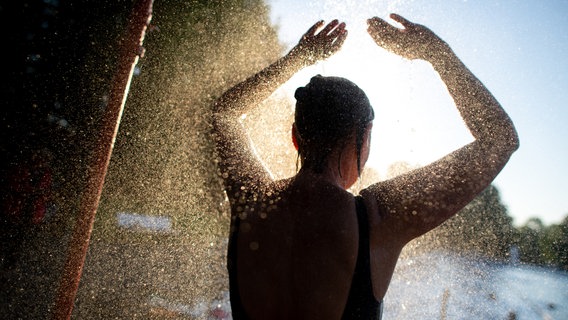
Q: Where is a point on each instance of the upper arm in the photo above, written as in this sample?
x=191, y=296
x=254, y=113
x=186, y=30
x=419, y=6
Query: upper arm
x=414, y=203
x=239, y=165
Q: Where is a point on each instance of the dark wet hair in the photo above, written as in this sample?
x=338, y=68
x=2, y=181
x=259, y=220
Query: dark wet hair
x=327, y=111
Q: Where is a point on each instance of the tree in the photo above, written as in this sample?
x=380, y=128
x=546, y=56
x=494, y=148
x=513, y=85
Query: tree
x=560, y=244
x=528, y=240
x=543, y=245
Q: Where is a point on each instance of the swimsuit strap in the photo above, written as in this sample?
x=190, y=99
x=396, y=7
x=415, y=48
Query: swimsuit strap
x=361, y=302
x=237, y=309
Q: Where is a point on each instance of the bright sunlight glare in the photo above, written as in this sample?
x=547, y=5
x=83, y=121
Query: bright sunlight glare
x=415, y=119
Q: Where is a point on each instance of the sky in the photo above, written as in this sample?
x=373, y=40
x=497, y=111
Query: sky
x=518, y=49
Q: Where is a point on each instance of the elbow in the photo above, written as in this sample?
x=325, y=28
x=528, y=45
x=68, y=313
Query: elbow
x=509, y=140
x=219, y=115
x=503, y=142
x=218, y=122
x=216, y=116
x=515, y=144
x=508, y=144
x=512, y=139
x=217, y=108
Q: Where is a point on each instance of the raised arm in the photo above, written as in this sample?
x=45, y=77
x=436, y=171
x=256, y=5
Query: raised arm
x=420, y=200
x=237, y=161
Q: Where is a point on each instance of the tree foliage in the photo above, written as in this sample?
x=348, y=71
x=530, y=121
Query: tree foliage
x=484, y=228
x=543, y=245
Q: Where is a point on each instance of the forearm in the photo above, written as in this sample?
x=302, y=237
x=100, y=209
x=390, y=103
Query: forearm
x=252, y=91
x=414, y=203
x=481, y=112
x=237, y=160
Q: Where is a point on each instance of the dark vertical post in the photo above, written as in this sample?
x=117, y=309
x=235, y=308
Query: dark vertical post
x=130, y=52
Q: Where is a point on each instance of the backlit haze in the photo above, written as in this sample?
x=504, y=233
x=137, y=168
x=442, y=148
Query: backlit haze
x=519, y=50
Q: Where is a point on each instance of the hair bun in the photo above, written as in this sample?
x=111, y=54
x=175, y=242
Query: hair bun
x=301, y=94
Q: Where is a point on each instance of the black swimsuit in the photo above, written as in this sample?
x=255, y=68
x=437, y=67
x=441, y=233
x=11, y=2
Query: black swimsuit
x=361, y=303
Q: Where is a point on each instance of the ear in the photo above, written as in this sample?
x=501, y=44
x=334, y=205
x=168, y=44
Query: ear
x=294, y=139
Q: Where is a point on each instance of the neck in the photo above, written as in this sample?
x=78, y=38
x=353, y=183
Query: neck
x=339, y=170
x=328, y=175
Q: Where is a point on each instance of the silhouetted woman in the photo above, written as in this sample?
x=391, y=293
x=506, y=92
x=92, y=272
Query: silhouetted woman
x=304, y=247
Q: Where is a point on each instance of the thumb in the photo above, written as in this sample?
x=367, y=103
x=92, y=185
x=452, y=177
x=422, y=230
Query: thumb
x=398, y=18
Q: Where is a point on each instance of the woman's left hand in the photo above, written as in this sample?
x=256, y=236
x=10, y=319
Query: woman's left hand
x=315, y=46
x=414, y=41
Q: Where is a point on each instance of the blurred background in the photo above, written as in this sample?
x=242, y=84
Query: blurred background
x=157, y=249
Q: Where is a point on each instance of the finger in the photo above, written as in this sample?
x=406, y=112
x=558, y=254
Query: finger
x=398, y=18
x=338, y=31
x=378, y=24
x=339, y=41
x=373, y=21
x=312, y=30
x=329, y=27
x=381, y=31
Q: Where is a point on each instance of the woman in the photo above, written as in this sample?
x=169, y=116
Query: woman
x=304, y=247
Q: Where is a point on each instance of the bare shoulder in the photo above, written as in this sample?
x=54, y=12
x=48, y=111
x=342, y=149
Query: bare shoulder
x=386, y=226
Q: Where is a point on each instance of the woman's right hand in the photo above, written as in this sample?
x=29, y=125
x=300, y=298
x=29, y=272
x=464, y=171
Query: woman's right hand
x=315, y=46
x=415, y=41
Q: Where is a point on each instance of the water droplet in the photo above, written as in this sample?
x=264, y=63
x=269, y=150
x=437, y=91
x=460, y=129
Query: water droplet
x=253, y=245
x=245, y=227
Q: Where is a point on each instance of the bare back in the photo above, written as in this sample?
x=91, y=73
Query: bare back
x=297, y=248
